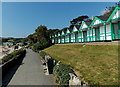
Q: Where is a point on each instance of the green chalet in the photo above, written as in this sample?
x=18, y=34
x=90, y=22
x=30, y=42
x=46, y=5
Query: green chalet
x=100, y=28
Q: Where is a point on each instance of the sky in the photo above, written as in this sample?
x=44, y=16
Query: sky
x=19, y=19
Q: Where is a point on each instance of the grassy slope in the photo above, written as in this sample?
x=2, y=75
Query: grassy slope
x=96, y=63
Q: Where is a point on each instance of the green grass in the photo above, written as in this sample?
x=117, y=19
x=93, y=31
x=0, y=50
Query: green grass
x=92, y=63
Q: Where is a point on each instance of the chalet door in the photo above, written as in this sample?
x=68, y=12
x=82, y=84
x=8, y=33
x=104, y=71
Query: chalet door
x=97, y=34
x=55, y=40
x=66, y=38
x=85, y=36
x=63, y=39
x=119, y=29
x=69, y=38
x=58, y=40
x=115, y=30
x=76, y=37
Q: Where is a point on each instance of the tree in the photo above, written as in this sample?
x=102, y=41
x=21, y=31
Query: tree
x=109, y=10
x=79, y=20
x=117, y=4
x=41, y=32
x=51, y=31
x=32, y=38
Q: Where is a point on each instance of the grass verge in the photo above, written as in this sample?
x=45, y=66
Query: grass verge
x=95, y=64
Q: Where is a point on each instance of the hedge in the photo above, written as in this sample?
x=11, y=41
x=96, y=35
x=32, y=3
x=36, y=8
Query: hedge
x=61, y=73
x=40, y=46
x=15, y=54
x=42, y=54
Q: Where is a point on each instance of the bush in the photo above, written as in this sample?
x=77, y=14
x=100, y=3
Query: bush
x=40, y=46
x=61, y=73
x=37, y=46
x=42, y=54
x=29, y=45
x=6, y=58
x=16, y=54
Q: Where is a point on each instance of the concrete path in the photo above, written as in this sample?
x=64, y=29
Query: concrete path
x=31, y=72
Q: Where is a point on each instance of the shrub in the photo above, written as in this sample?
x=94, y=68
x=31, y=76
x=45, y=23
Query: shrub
x=40, y=46
x=61, y=73
x=36, y=47
x=29, y=45
x=42, y=54
x=15, y=54
x=6, y=58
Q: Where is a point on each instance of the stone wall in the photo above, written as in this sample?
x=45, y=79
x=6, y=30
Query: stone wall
x=74, y=80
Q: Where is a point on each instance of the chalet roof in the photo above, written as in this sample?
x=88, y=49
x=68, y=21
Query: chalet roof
x=64, y=30
x=78, y=26
x=105, y=16
x=70, y=29
x=88, y=22
x=58, y=31
x=102, y=18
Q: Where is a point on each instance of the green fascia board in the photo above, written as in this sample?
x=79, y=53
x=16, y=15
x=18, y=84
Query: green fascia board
x=116, y=18
x=56, y=35
x=98, y=24
x=83, y=29
x=112, y=13
x=62, y=33
x=68, y=30
x=96, y=18
x=72, y=32
x=80, y=30
x=73, y=29
x=53, y=36
x=67, y=33
x=82, y=25
x=59, y=35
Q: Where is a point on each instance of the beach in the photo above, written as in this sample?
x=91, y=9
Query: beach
x=5, y=50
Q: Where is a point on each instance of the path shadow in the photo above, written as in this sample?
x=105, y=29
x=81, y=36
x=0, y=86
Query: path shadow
x=10, y=73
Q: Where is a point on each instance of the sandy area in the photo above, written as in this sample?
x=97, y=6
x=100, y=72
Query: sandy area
x=5, y=51
x=0, y=50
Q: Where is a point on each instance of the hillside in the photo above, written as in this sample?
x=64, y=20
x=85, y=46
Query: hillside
x=93, y=63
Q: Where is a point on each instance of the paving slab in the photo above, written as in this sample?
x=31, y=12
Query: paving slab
x=31, y=72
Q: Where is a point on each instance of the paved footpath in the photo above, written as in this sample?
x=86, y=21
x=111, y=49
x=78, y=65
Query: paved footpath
x=31, y=72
